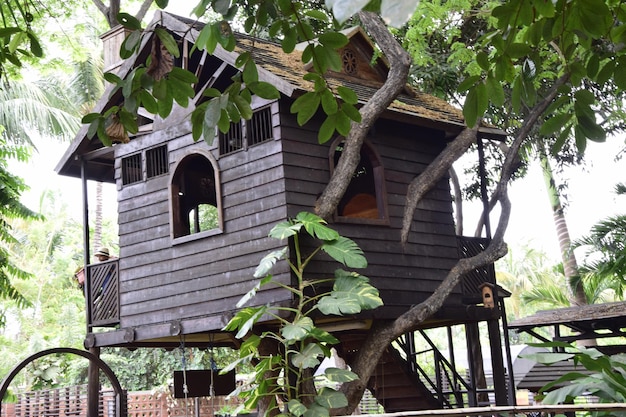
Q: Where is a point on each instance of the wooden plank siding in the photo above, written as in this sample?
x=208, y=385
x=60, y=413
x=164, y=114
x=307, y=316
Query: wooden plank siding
x=163, y=281
x=404, y=275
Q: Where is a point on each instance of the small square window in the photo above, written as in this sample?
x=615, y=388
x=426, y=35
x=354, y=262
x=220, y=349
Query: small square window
x=131, y=169
x=156, y=161
x=259, y=127
x=232, y=140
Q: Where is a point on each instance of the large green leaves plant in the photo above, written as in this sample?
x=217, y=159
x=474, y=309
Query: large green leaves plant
x=302, y=345
x=596, y=374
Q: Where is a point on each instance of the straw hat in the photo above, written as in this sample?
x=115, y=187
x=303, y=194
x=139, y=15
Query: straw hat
x=102, y=252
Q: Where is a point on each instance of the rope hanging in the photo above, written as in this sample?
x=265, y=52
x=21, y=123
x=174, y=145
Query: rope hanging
x=213, y=370
x=184, y=369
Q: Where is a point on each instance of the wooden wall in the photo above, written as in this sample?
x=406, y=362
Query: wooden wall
x=404, y=275
x=162, y=280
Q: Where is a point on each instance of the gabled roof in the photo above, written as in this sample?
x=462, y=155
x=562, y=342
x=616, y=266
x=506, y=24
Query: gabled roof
x=285, y=72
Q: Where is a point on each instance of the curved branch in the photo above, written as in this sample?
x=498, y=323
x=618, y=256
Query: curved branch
x=382, y=335
x=145, y=6
x=458, y=200
x=400, y=62
x=432, y=174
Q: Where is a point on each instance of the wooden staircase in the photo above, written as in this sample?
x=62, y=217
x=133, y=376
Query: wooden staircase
x=393, y=385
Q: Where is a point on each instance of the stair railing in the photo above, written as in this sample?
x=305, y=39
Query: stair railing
x=458, y=386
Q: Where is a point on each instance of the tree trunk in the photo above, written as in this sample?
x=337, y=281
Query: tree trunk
x=399, y=64
x=570, y=266
x=382, y=334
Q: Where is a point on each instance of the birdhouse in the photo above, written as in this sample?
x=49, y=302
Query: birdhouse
x=488, y=296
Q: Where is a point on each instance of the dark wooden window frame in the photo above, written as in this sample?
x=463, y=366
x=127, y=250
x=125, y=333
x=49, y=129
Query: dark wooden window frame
x=380, y=189
x=145, y=168
x=175, y=209
x=132, y=169
x=157, y=161
x=240, y=136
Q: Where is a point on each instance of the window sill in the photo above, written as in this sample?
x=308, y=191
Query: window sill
x=196, y=236
x=361, y=220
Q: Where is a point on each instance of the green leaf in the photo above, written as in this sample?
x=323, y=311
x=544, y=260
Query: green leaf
x=268, y=262
x=495, y=91
x=298, y=330
x=250, y=294
x=128, y=21
x=352, y=112
x=396, y=13
x=250, y=73
x=348, y=95
x=343, y=123
x=517, y=50
x=317, y=15
x=35, y=46
x=183, y=75
x=243, y=106
x=162, y=4
x=548, y=358
x=130, y=43
x=90, y=117
x=264, y=90
x=468, y=83
x=244, y=320
x=296, y=408
x=340, y=375
x=329, y=102
x=323, y=336
x=330, y=398
x=168, y=41
x=334, y=40
x=555, y=124
x=316, y=226
x=284, y=230
x=148, y=102
x=351, y=294
x=327, y=129
x=212, y=115
x=305, y=106
x=483, y=60
x=307, y=357
x=346, y=251
x=316, y=410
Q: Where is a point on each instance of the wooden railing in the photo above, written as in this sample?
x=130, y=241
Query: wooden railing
x=61, y=402
x=72, y=402
x=103, y=293
x=468, y=247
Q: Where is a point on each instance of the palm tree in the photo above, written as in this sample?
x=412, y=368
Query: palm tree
x=605, y=258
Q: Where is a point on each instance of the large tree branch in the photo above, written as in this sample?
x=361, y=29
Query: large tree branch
x=101, y=6
x=145, y=6
x=400, y=62
x=380, y=336
x=432, y=174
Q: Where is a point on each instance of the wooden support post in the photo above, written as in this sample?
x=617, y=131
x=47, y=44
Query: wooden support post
x=93, y=385
x=497, y=364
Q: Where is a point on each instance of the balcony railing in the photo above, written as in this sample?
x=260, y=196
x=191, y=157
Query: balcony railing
x=103, y=294
x=468, y=247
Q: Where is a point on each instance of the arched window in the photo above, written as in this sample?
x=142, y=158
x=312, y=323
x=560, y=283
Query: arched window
x=365, y=199
x=195, y=197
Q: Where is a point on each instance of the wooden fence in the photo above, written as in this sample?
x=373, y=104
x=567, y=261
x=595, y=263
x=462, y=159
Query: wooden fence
x=72, y=402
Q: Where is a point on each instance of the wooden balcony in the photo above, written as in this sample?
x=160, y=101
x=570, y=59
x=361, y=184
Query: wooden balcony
x=103, y=294
x=472, y=281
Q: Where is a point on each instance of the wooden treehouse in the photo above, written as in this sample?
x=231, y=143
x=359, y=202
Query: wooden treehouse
x=194, y=218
